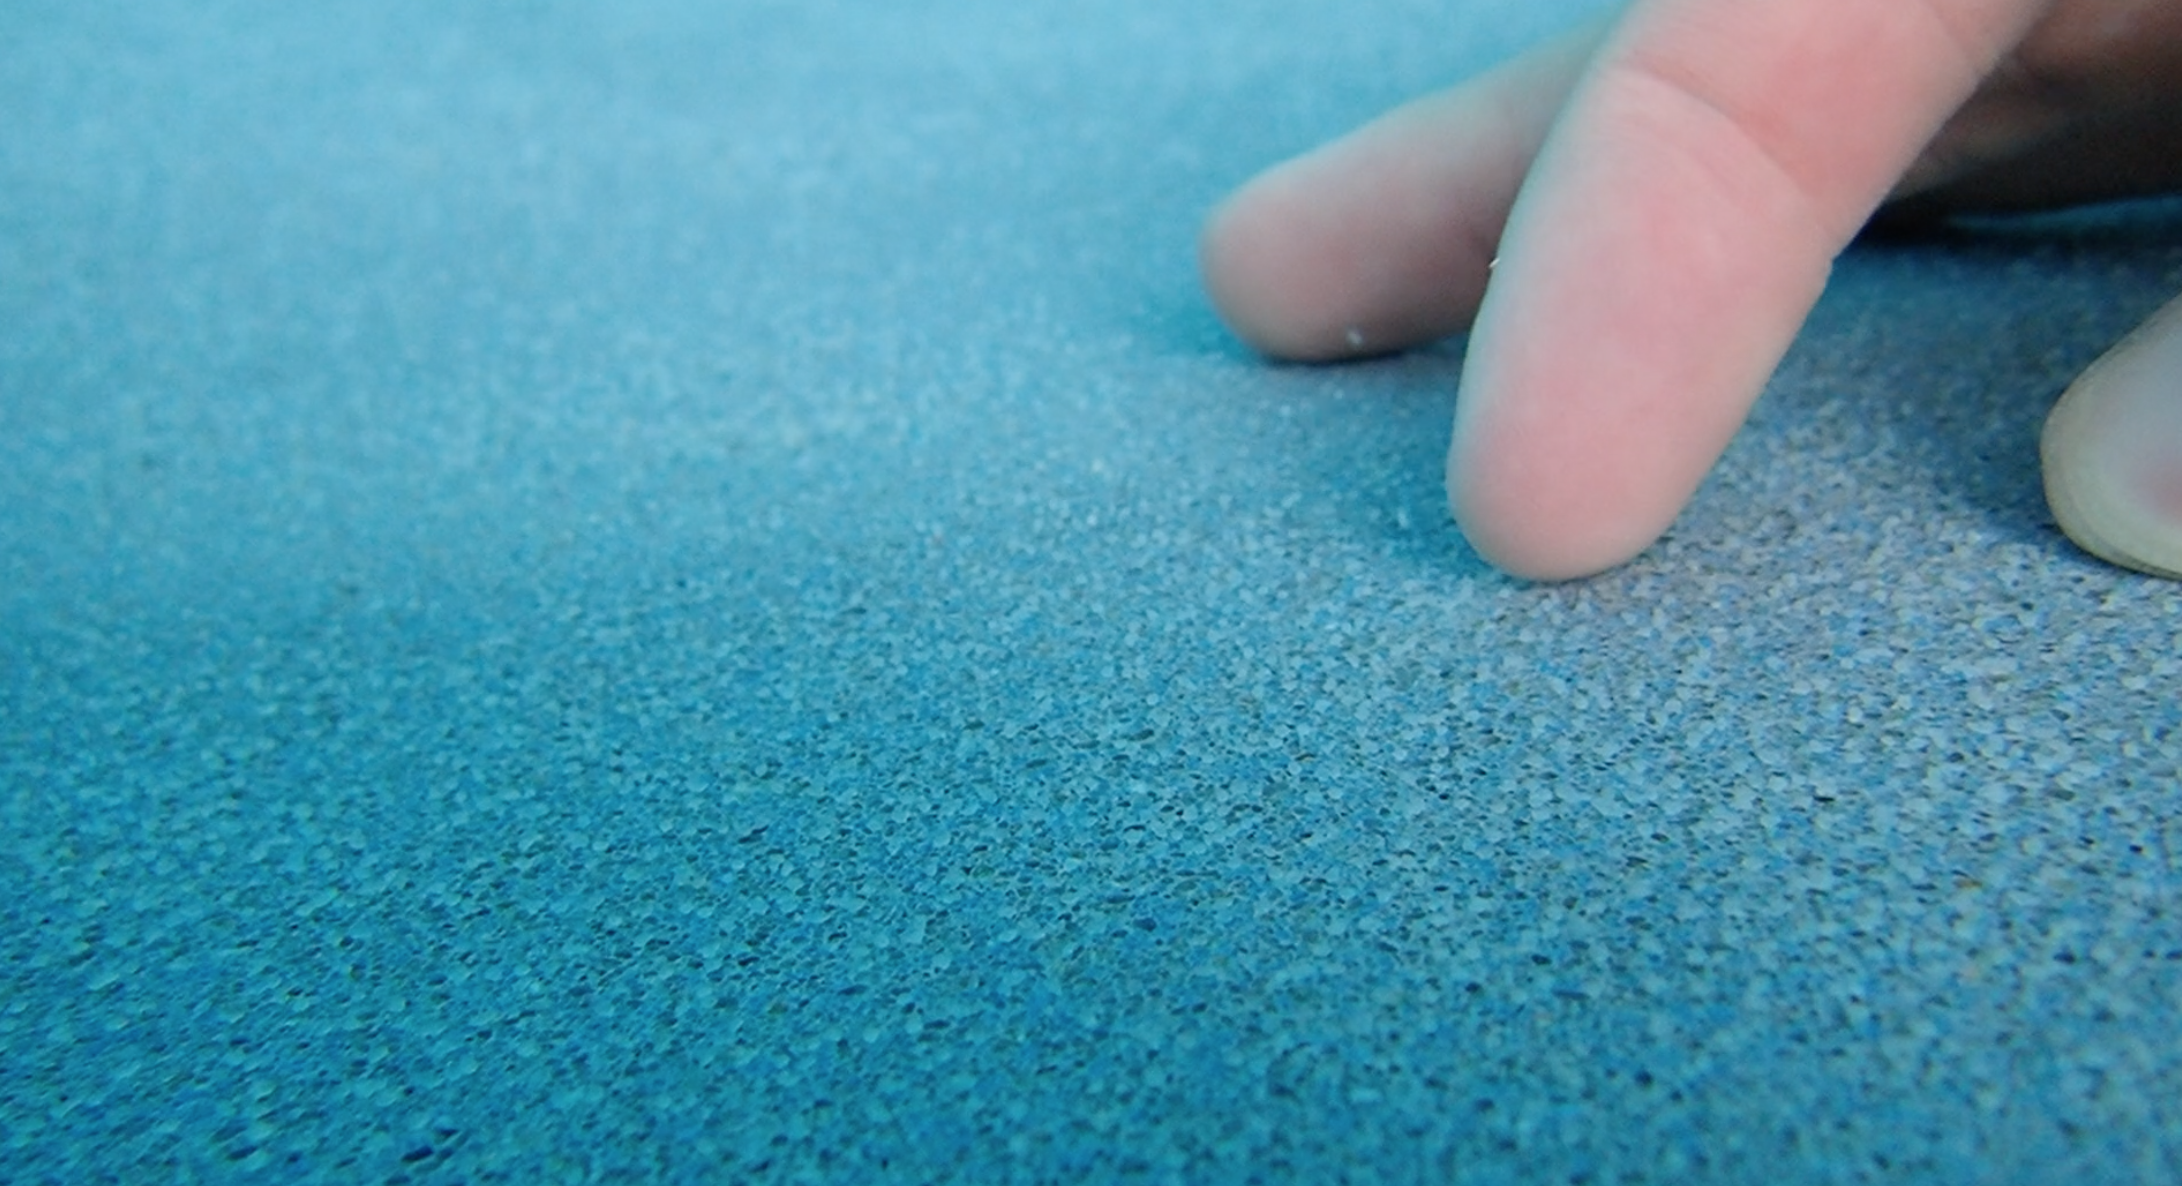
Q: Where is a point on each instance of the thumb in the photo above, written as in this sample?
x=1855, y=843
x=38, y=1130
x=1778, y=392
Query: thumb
x=2113, y=451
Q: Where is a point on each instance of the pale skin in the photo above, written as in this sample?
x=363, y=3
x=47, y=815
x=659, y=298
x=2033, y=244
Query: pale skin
x=1634, y=220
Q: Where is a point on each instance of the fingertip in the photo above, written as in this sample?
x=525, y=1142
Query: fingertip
x=1383, y=239
x=2112, y=452
x=1266, y=274
x=1551, y=530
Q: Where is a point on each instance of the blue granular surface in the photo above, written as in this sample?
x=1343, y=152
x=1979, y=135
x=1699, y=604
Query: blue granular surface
x=673, y=591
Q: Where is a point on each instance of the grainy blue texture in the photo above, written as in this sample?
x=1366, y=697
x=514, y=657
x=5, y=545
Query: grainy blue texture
x=606, y=591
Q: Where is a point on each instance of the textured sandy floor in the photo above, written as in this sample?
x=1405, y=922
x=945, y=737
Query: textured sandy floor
x=601, y=591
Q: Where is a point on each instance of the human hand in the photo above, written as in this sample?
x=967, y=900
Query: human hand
x=1639, y=215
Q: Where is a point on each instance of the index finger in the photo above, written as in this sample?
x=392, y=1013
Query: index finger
x=1678, y=227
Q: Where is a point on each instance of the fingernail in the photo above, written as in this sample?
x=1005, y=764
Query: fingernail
x=2112, y=451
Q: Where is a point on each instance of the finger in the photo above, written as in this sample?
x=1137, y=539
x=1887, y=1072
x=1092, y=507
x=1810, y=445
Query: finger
x=2119, y=154
x=1678, y=227
x=2113, y=451
x=2085, y=109
x=1382, y=239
